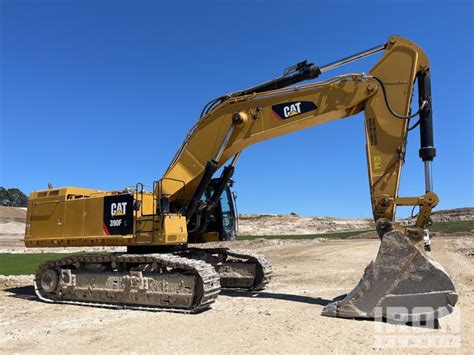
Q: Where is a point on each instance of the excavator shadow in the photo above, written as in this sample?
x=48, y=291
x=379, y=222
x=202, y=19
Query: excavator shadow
x=23, y=292
x=28, y=293
x=280, y=296
x=321, y=302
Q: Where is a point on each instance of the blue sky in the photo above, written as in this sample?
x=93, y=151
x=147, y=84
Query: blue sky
x=101, y=94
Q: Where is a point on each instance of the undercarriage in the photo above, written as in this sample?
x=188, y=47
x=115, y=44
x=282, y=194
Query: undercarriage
x=187, y=281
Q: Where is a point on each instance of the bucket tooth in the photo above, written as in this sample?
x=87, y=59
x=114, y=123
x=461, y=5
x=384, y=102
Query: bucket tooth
x=403, y=284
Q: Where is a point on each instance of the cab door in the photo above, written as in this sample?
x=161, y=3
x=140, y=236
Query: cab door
x=228, y=216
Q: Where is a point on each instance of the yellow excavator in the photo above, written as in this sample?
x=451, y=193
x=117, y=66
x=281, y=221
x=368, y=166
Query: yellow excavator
x=165, y=267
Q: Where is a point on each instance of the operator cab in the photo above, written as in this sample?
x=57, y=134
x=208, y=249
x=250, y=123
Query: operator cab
x=218, y=223
x=224, y=216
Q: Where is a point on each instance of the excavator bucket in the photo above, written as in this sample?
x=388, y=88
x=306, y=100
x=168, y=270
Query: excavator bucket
x=402, y=284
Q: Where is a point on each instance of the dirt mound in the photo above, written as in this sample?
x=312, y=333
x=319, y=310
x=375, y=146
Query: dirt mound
x=12, y=225
x=12, y=214
x=293, y=224
x=452, y=215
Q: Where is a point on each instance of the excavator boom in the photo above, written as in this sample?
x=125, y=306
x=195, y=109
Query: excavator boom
x=252, y=115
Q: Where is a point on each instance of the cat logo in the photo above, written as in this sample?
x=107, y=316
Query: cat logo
x=118, y=209
x=291, y=110
x=118, y=215
x=288, y=110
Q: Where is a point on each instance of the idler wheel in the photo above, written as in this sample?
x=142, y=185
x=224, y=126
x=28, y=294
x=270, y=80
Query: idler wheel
x=49, y=280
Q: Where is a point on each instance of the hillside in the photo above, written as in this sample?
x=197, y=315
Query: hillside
x=12, y=214
x=12, y=221
x=274, y=224
x=268, y=224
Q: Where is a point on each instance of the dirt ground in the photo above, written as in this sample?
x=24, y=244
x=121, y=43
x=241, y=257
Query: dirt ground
x=285, y=318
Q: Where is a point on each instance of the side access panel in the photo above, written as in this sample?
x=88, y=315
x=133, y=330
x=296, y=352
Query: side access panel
x=76, y=217
x=72, y=216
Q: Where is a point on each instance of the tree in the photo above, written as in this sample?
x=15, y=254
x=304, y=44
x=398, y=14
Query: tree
x=12, y=197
